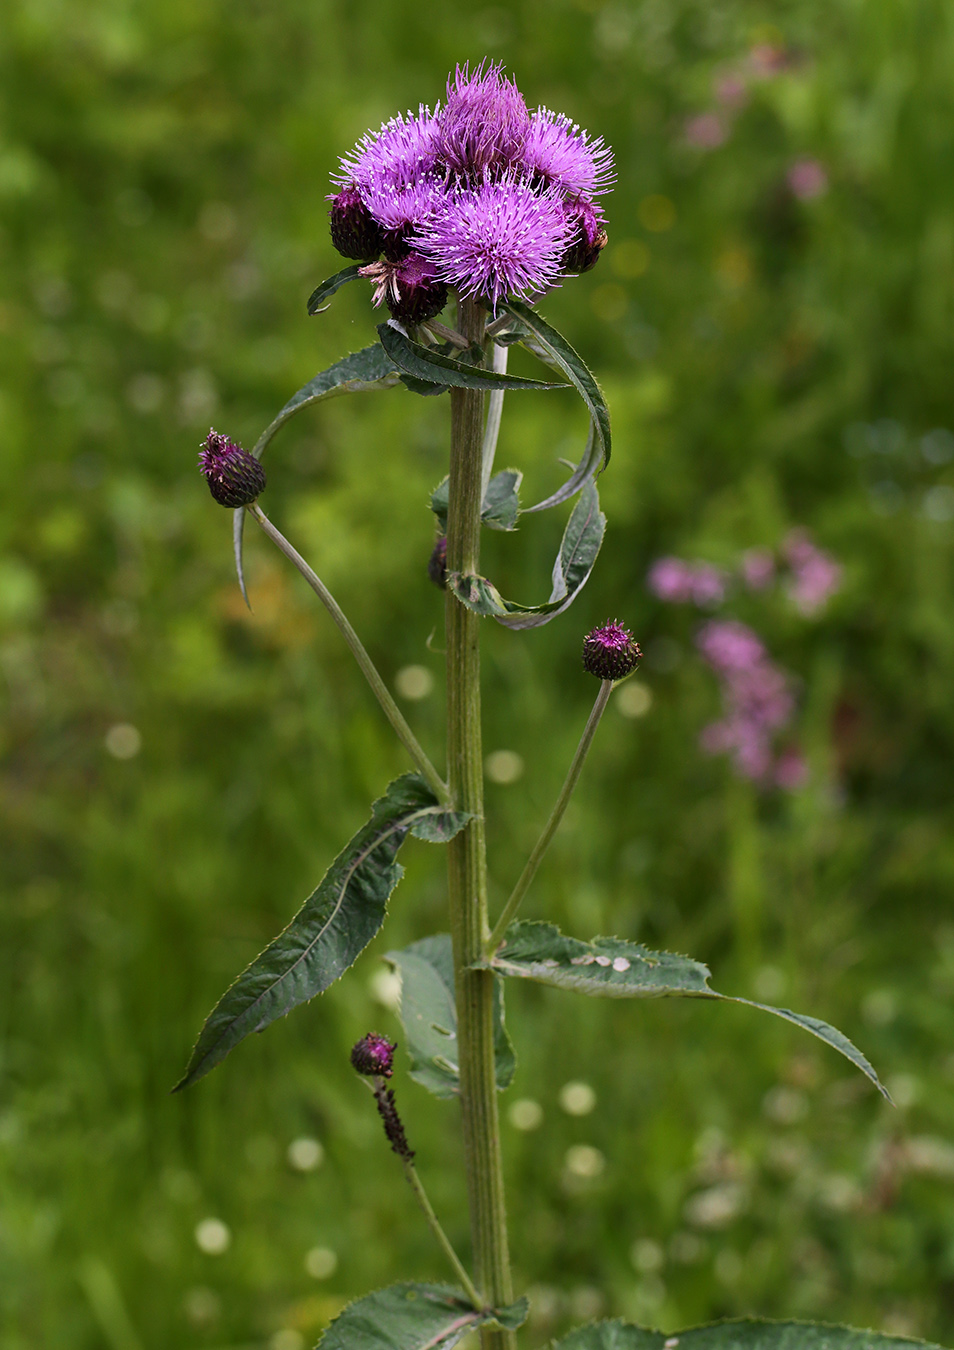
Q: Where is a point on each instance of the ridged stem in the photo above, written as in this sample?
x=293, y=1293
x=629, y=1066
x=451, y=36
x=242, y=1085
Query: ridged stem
x=467, y=867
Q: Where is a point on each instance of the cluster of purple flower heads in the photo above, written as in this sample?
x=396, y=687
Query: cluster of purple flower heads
x=758, y=703
x=480, y=194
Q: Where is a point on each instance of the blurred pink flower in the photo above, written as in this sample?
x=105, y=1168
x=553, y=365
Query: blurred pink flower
x=731, y=91
x=815, y=577
x=758, y=568
x=729, y=646
x=706, y=131
x=756, y=695
x=671, y=579
x=791, y=770
x=708, y=585
x=768, y=59
x=807, y=179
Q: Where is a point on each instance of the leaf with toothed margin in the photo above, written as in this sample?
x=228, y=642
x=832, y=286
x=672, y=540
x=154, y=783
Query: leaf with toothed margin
x=414, y=1317
x=368, y=369
x=331, y=929
x=574, y=563
x=742, y=1334
x=327, y=288
x=573, y=366
x=427, y=363
x=429, y=1017
x=501, y=503
x=613, y=968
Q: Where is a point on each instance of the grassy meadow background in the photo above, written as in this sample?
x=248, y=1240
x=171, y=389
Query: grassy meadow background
x=177, y=773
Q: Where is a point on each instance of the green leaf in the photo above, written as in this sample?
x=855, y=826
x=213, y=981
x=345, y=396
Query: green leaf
x=613, y=968
x=325, y=937
x=587, y=467
x=572, y=365
x=327, y=288
x=426, y=388
x=429, y=1017
x=427, y=363
x=413, y=1317
x=501, y=503
x=574, y=563
x=437, y=825
x=745, y=1334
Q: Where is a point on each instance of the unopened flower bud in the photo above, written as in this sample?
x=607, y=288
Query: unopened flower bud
x=610, y=652
x=589, y=239
x=354, y=231
x=437, y=565
x=373, y=1056
x=235, y=477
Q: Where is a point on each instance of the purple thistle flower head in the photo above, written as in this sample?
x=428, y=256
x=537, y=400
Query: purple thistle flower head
x=410, y=287
x=589, y=237
x=559, y=152
x=485, y=122
x=401, y=153
x=354, y=231
x=235, y=477
x=498, y=238
x=373, y=1056
x=610, y=651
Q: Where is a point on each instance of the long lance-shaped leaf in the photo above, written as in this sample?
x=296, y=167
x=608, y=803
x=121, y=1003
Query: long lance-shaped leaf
x=611, y=968
x=429, y=1017
x=426, y=363
x=589, y=464
x=573, y=366
x=328, y=287
x=331, y=929
x=574, y=563
x=368, y=369
x=414, y=1317
x=744, y=1334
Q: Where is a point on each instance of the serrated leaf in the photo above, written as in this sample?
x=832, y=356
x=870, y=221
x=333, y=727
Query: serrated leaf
x=427, y=363
x=573, y=366
x=426, y=388
x=574, y=563
x=614, y=968
x=429, y=1017
x=438, y=825
x=501, y=503
x=744, y=1334
x=413, y=1317
x=328, y=933
x=327, y=288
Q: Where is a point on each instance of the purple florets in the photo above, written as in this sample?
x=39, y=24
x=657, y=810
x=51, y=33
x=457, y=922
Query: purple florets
x=235, y=477
x=373, y=1056
x=610, y=652
x=491, y=199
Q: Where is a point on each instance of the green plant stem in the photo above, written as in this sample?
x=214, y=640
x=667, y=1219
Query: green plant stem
x=467, y=865
x=434, y=1223
x=553, y=824
x=370, y=671
x=495, y=400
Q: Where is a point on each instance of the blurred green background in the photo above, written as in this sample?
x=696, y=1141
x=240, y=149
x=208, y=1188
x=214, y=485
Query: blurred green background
x=177, y=773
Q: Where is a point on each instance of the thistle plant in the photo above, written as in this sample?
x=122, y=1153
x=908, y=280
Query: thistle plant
x=485, y=206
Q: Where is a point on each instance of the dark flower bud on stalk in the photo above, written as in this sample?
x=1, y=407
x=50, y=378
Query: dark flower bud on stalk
x=610, y=652
x=437, y=566
x=235, y=477
x=373, y=1055
x=354, y=231
x=589, y=239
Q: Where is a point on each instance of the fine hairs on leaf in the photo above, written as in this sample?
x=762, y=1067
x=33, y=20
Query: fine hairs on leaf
x=414, y=1317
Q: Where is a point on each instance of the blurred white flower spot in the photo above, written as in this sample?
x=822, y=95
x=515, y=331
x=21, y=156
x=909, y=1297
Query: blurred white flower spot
x=321, y=1263
x=123, y=741
x=504, y=766
x=213, y=1237
x=304, y=1155
x=287, y=1338
x=584, y=1161
x=633, y=699
x=646, y=1255
x=384, y=987
x=525, y=1114
x=414, y=682
x=577, y=1099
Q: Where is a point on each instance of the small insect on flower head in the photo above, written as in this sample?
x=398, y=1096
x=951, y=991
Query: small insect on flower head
x=235, y=477
x=610, y=651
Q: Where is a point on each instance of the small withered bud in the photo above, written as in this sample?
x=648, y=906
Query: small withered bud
x=373, y=1056
x=415, y=295
x=354, y=231
x=393, y=1127
x=235, y=477
x=589, y=239
x=437, y=564
x=610, y=651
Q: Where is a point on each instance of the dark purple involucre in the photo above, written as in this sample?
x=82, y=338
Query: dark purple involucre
x=610, y=651
x=373, y=1056
x=235, y=477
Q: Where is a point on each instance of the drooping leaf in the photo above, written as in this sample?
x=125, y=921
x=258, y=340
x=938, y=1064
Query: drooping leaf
x=325, y=937
x=613, y=968
x=573, y=366
x=429, y=1017
x=589, y=464
x=327, y=288
x=428, y=363
x=426, y=388
x=574, y=563
x=413, y=1317
x=501, y=503
x=744, y=1334
x=437, y=825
